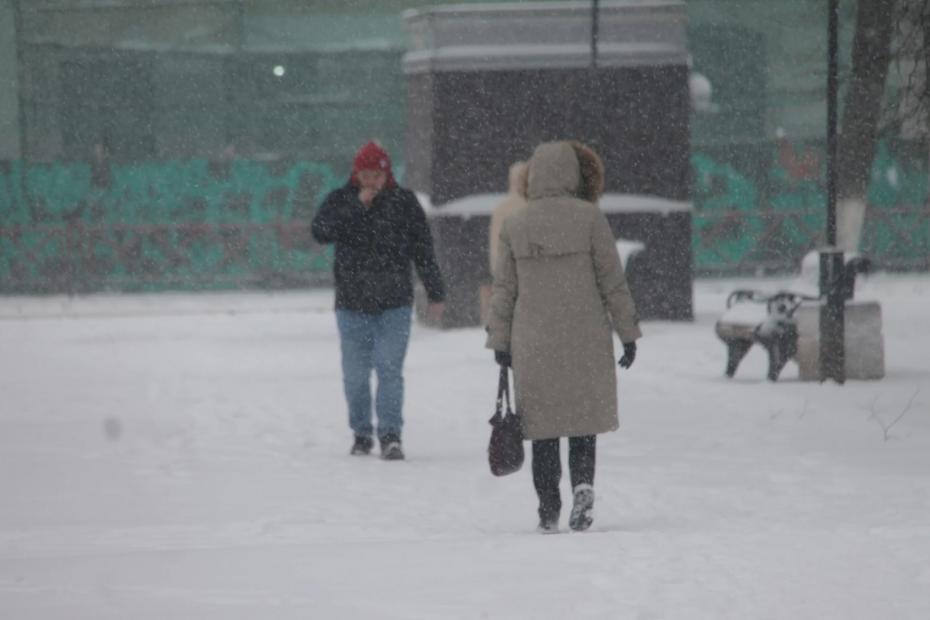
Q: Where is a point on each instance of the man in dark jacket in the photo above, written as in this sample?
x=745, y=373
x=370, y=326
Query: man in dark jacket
x=379, y=229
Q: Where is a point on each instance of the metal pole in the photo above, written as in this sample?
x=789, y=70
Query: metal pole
x=240, y=26
x=832, y=95
x=595, y=15
x=19, y=33
x=832, y=264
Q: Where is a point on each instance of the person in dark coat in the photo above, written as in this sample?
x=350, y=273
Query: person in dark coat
x=379, y=230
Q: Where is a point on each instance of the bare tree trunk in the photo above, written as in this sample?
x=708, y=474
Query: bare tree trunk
x=924, y=19
x=871, y=57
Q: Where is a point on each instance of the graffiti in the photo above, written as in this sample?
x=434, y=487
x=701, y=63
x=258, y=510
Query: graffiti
x=199, y=224
x=893, y=231
x=769, y=222
x=726, y=212
x=170, y=224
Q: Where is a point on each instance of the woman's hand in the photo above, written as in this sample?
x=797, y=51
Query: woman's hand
x=629, y=354
x=503, y=358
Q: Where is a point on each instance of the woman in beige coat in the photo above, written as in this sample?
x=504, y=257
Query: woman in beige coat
x=516, y=198
x=559, y=293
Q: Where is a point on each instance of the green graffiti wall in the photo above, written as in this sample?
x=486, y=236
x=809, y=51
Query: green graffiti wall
x=190, y=224
x=70, y=227
x=763, y=208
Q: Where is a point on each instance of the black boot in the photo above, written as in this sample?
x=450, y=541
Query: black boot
x=547, y=471
x=391, y=449
x=548, y=519
x=362, y=446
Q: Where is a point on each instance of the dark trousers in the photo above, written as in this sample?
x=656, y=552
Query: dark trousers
x=547, y=469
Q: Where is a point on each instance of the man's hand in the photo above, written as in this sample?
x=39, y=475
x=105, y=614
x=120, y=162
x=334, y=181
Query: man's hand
x=367, y=195
x=434, y=312
x=629, y=354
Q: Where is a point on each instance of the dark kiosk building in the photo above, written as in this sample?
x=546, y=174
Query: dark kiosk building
x=487, y=83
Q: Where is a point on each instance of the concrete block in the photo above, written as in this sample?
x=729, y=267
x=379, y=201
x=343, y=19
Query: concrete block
x=865, y=344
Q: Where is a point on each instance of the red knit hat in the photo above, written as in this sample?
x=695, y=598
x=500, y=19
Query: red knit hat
x=372, y=157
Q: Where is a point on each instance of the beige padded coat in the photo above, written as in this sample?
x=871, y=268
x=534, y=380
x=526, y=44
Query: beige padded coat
x=559, y=293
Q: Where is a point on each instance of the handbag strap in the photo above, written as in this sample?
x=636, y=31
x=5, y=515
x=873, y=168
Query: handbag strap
x=503, y=391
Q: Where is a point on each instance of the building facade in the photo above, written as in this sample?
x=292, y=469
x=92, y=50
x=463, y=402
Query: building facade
x=175, y=79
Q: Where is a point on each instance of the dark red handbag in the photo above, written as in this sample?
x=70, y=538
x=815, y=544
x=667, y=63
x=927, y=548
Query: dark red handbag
x=505, y=450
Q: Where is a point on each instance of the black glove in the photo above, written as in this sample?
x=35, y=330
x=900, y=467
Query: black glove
x=503, y=358
x=629, y=354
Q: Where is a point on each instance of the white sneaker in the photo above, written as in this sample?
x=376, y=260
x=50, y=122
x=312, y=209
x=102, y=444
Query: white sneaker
x=581, y=517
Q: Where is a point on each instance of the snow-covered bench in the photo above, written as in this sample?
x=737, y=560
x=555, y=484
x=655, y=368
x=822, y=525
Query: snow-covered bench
x=753, y=316
x=771, y=319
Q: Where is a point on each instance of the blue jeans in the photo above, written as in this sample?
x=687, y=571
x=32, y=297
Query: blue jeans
x=374, y=342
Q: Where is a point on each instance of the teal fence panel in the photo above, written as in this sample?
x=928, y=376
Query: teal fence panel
x=760, y=208
x=206, y=225
x=167, y=225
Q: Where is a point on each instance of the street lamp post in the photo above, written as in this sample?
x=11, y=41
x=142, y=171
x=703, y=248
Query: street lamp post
x=832, y=264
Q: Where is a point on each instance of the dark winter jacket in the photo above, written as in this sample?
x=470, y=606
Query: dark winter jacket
x=374, y=249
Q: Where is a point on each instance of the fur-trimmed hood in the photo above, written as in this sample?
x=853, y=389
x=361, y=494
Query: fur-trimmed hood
x=567, y=168
x=553, y=171
x=591, y=170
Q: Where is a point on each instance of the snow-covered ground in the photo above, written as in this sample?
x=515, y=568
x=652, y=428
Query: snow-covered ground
x=174, y=457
